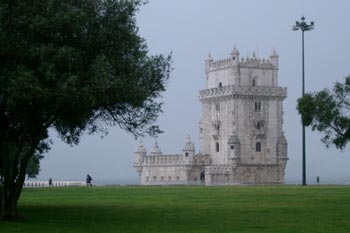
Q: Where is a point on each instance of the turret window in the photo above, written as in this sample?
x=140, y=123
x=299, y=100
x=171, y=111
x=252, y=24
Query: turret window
x=259, y=124
x=217, y=147
x=257, y=106
x=258, y=147
x=217, y=107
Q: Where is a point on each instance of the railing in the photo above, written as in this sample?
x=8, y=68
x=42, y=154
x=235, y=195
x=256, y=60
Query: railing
x=37, y=184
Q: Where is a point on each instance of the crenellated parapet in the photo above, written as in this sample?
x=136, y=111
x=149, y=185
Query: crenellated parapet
x=244, y=92
x=248, y=62
x=221, y=64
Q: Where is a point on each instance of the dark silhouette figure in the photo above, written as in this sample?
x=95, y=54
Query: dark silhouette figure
x=318, y=179
x=50, y=182
x=88, y=180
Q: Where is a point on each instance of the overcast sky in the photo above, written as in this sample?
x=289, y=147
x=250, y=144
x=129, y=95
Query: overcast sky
x=190, y=29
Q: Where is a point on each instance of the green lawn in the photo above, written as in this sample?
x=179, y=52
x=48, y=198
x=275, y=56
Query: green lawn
x=293, y=209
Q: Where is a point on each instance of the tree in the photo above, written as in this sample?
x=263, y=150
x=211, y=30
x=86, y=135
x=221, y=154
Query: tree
x=329, y=112
x=33, y=167
x=73, y=66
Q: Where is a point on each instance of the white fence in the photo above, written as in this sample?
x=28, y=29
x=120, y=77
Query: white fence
x=36, y=184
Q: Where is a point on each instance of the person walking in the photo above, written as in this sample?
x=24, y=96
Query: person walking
x=88, y=180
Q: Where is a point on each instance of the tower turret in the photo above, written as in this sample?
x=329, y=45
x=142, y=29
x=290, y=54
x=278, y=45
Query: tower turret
x=139, y=154
x=282, y=157
x=235, y=55
x=274, y=58
x=282, y=146
x=208, y=61
x=156, y=151
x=188, y=151
x=234, y=149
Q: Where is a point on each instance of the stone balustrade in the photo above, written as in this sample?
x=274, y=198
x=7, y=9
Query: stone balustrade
x=240, y=90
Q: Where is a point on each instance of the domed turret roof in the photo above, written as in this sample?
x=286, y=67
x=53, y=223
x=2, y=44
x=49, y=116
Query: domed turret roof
x=156, y=150
x=235, y=51
x=189, y=146
x=274, y=54
x=140, y=148
x=209, y=58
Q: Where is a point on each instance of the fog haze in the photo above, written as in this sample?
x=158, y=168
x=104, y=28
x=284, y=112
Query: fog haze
x=190, y=29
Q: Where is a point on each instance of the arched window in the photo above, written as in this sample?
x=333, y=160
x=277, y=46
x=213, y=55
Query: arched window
x=258, y=126
x=253, y=83
x=186, y=154
x=220, y=84
x=232, y=147
x=258, y=147
x=217, y=147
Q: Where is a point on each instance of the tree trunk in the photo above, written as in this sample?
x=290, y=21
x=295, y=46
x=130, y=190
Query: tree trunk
x=10, y=193
x=11, y=182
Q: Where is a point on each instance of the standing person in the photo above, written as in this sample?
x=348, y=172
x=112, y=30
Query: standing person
x=88, y=180
x=50, y=182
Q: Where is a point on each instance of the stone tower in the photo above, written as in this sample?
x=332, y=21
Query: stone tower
x=241, y=135
x=241, y=125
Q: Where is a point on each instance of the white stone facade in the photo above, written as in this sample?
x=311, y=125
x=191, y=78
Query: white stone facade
x=241, y=135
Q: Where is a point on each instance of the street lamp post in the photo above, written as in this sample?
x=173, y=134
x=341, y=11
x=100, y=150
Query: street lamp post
x=303, y=26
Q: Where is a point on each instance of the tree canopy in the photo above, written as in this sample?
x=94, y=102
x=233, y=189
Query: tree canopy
x=74, y=66
x=328, y=111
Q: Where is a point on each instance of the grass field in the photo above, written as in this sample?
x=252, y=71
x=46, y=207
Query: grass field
x=293, y=209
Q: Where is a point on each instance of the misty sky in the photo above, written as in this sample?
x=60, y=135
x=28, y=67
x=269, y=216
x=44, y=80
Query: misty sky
x=190, y=29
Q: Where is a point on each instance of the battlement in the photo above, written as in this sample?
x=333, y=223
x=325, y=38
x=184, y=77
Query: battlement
x=220, y=64
x=256, y=62
x=243, y=91
x=263, y=63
